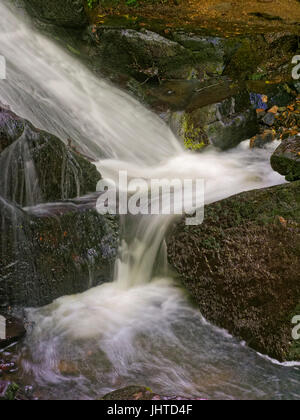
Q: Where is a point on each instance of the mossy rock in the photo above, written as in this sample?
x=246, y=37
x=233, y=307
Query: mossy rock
x=286, y=159
x=242, y=266
x=69, y=13
x=50, y=254
x=220, y=115
x=8, y=391
x=246, y=59
x=142, y=54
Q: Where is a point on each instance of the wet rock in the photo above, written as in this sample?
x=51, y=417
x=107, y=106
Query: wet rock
x=36, y=166
x=297, y=86
x=17, y=269
x=11, y=127
x=245, y=61
x=218, y=114
x=286, y=158
x=261, y=140
x=46, y=256
x=231, y=131
x=266, y=95
x=133, y=392
x=68, y=13
x=242, y=266
x=269, y=119
x=211, y=53
x=263, y=57
x=8, y=391
x=139, y=393
x=142, y=54
x=261, y=113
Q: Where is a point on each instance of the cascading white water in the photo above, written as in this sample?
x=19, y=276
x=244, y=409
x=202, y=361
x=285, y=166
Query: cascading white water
x=141, y=328
x=56, y=93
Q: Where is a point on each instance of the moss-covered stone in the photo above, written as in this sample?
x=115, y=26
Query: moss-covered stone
x=68, y=13
x=246, y=59
x=11, y=127
x=194, y=138
x=54, y=252
x=8, y=391
x=142, y=54
x=242, y=266
x=286, y=159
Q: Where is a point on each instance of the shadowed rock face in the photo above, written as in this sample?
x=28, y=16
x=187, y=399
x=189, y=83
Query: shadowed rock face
x=36, y=166
x=286, y=159
x=242, y=266
x=43, y=258
x=60, y=12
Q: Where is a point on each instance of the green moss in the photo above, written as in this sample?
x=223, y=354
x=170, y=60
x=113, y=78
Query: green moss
x=194, y=137
x=247, y=58
x=11, y=392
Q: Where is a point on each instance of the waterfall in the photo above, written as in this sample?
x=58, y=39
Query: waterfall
x=57, y=93
x=141, y=328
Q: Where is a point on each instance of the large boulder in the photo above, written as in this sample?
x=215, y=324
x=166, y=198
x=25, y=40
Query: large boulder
x=51, y=251
x=36, y=166
x=68, y=13
x=142, y=54
x=242, y=266
x=286, y=159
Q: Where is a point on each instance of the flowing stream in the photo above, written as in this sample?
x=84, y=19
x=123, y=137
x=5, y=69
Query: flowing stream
x=142, y=328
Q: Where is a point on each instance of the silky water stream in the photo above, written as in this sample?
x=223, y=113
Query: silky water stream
x=142, y=328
